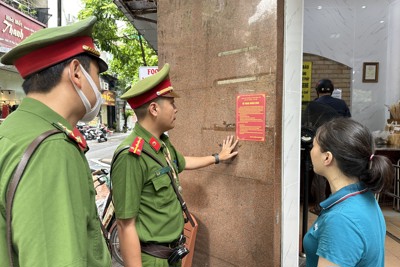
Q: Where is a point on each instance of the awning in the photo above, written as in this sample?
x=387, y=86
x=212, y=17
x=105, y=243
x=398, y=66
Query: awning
x=143, y=16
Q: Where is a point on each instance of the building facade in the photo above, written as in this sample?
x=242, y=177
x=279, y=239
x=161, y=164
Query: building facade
x=19, y=19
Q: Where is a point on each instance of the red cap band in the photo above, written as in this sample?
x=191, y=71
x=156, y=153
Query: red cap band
x=157, y=91
x=53, y=54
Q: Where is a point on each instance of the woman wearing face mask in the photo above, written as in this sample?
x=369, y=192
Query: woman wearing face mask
x=54, y=217
x=350, y=230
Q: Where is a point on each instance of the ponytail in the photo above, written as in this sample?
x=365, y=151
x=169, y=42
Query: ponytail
x=380, y=173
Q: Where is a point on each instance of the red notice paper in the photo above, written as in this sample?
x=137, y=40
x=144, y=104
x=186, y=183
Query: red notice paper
x=250, y=117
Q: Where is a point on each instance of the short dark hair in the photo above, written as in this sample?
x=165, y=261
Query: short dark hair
x=141, y=111
x=44, y=80
x=352, y=146
x=324, y=86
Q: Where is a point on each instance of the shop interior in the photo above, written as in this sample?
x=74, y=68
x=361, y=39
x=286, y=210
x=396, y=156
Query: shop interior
x=8, y=102
x=11, y=92
x=342, y=40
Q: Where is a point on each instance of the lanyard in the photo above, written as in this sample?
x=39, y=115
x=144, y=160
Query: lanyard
x=168, y=158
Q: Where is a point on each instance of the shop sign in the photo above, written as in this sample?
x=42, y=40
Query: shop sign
x=15, y=26
x=147, y=71
x=306, y=84
x=109, y=98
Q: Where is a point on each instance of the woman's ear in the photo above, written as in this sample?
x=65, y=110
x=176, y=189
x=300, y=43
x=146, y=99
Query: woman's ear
x=328, y=158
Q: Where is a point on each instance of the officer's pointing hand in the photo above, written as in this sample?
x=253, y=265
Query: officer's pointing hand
x=227, y=146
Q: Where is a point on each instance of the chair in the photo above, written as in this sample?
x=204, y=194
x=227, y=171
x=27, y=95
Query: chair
x=395, y=191
x=396, y=187
x=190, y=233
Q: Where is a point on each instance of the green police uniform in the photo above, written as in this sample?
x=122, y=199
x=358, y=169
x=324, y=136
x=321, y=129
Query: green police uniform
x=55, y=220
x=142, y=188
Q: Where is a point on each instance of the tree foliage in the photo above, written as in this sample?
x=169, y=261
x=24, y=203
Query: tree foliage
x=114, y=34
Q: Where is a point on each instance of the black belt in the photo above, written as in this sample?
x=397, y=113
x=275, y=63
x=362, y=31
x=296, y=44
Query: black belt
x=160, y=250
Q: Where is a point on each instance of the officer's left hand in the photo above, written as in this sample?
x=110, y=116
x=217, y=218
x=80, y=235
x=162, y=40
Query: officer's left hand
x=227, y=149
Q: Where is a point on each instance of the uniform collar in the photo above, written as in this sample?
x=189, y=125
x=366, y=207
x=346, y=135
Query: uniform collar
x=36, y=107
x=154, y=142
x=343, y=194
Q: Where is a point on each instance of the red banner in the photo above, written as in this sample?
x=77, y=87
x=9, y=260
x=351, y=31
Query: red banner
x=250, y=117
x=15, y=26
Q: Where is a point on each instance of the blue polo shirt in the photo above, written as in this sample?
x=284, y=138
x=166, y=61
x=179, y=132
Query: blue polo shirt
x=350, y=231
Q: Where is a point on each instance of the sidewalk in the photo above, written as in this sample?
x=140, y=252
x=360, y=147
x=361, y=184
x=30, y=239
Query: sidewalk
x=114, y=135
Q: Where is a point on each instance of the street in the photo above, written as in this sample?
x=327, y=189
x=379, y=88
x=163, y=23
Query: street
x=99, y=152
x=103, y=151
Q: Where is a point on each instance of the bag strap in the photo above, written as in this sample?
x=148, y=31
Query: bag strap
x=13, y=184
x=180, y=198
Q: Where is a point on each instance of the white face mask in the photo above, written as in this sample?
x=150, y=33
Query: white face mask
x=91, y=113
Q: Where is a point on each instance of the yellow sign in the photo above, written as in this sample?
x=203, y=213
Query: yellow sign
x=306, y=83
x=109, y=98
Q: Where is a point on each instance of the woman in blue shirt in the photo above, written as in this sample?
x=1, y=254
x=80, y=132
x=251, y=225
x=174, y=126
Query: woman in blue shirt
x=350, y=231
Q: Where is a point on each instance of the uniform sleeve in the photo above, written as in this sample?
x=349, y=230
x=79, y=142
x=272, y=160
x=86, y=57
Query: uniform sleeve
x=127, y=180
x=340, y=241
x=54, y=215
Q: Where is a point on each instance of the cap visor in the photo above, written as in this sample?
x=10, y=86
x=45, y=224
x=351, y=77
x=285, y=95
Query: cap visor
x=102, y=65
x=171, y=94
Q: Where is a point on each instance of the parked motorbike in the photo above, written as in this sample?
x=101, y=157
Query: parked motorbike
x=105, y=208
x=99, y=133
x=102, y=133
x=104, y=129
x=101, y=136
x=90, y=133
x=82, y=129
x=87, y=131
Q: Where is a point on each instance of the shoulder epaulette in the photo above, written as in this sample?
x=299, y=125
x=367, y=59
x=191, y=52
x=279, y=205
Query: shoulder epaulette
x=137, y=145
x=75, y=135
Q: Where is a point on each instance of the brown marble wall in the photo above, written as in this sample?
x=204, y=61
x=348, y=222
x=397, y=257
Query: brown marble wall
x=219, y=49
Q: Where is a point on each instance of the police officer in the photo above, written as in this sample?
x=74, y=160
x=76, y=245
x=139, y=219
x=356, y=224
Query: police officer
x=54, y=217
x=149, y=215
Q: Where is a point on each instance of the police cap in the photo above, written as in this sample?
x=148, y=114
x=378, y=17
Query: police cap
x=150, y=88
x=50, y=46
